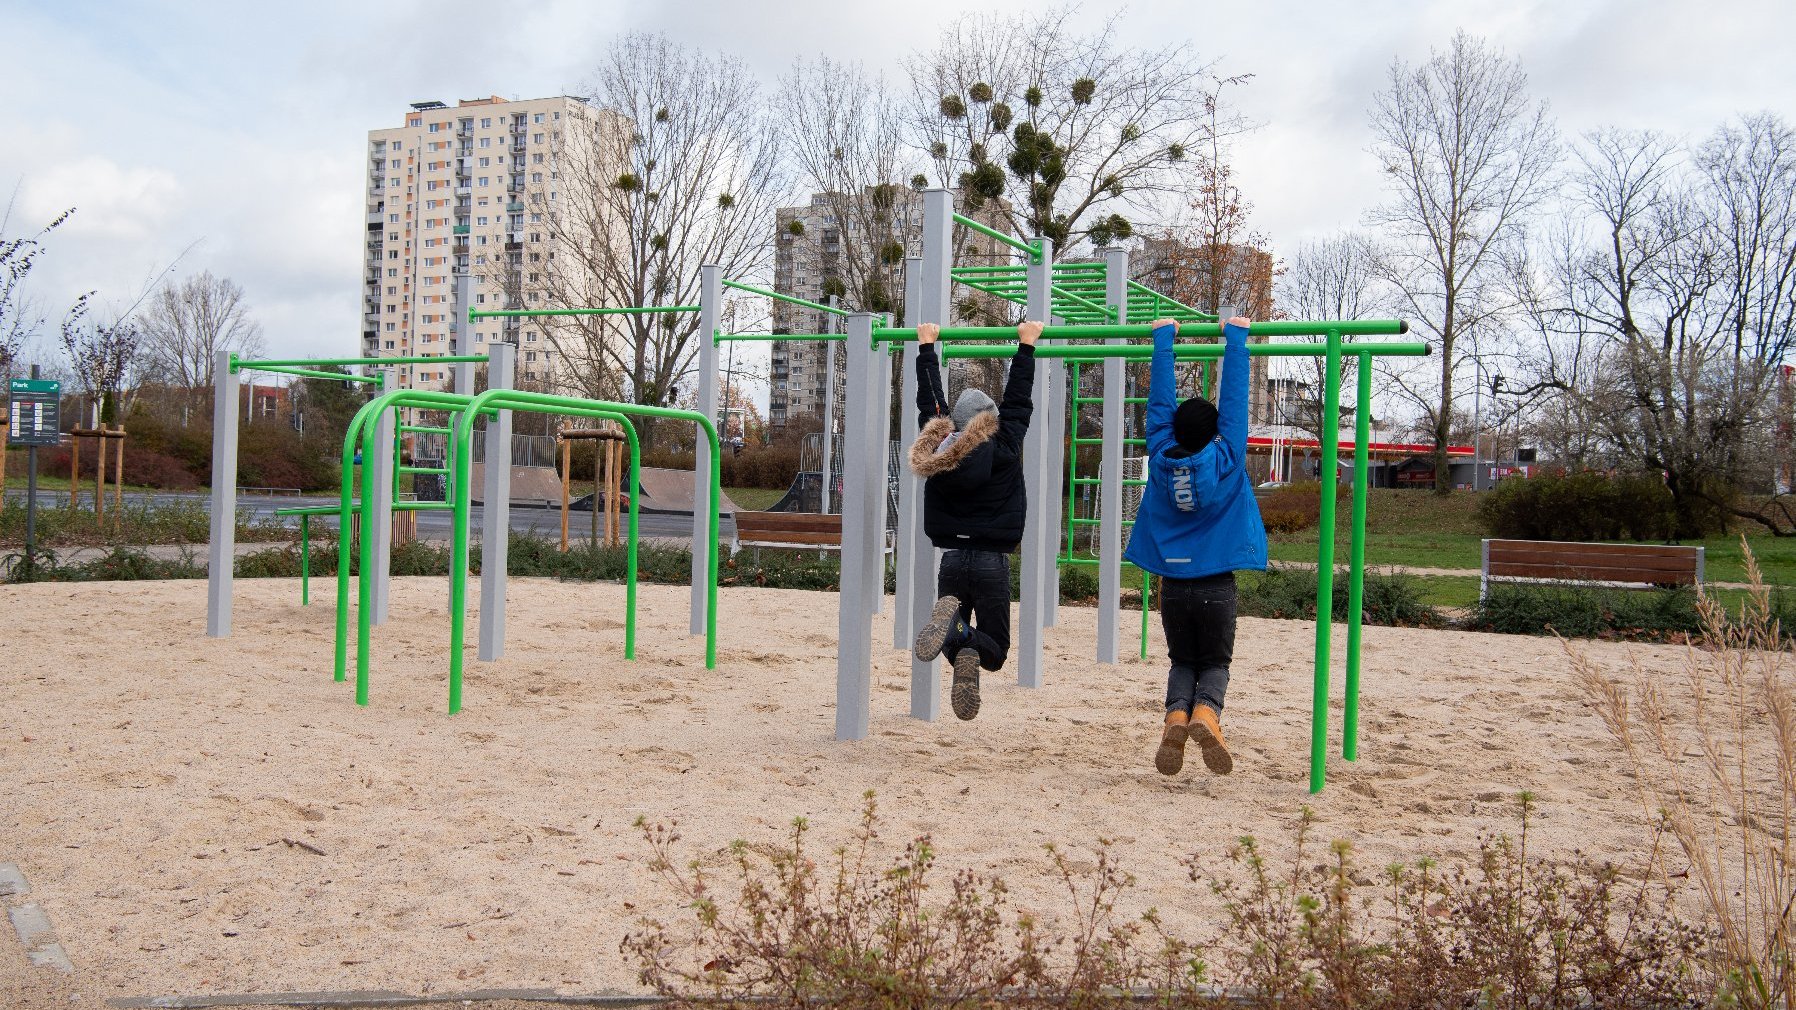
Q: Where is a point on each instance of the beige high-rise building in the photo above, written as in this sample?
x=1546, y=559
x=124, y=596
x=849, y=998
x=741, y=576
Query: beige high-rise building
x=467, y=190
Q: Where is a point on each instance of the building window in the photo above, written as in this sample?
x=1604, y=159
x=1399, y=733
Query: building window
x=433, y=127
x=536, y=138
x=486, y=141
x=538, y=118
x=537, y=158
x=486, y=123
x=484, y=162
x=389, y=330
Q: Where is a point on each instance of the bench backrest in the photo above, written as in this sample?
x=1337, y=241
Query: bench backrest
x=1633, y=564
x=797, y=528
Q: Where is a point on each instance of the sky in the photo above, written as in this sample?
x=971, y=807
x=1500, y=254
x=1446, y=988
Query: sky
x=232, y=136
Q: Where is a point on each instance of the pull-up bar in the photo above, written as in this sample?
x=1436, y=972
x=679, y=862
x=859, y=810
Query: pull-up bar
x=1031, y=248
x=403, y=359
x=1271, y=328
x=633, y=310
x=308, y=373
x=725, y=337
x=789, y=299
x=1184, y=352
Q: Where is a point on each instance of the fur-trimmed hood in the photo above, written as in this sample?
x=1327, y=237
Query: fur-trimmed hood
x=929, y=459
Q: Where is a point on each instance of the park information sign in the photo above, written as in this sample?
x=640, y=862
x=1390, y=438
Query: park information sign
x=32, y=414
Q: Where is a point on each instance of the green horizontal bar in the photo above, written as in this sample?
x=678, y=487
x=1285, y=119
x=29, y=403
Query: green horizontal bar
x=1269, y=328
x=398, y=506
x=308, y=373
x=631, y=310
x=428, y=429
x=776, y=296
x=1033, y=250
x=423, y=469
x=1186, y=352
x=265, y=365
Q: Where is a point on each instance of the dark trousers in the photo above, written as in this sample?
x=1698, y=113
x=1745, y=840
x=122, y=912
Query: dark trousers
x=980, y=580
x=1198, y=616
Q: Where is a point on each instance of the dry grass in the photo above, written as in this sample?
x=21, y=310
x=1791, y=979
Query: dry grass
x=1713, y=752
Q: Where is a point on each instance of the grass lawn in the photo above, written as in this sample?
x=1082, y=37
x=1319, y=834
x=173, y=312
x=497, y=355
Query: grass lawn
x=16, y=479
x=754, y=499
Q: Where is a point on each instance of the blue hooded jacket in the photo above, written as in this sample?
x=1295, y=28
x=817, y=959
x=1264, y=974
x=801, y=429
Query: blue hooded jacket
x=1198, y=516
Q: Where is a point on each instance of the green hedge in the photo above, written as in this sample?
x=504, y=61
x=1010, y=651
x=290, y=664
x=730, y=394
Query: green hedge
x=1593, y=506
x=1290, y=593
x=1595, y=612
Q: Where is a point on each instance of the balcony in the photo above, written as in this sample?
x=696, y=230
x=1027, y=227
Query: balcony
x=514, y=207
x=460, y=229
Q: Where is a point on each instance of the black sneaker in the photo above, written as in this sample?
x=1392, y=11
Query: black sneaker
x=933, y=636
x=963, y=695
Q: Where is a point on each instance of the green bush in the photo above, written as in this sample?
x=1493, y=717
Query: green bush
x=1596, y=612
x=1290, y=593
x=1593, y=506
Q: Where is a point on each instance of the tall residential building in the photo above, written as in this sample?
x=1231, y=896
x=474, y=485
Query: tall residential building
x=466, y=190
x=1183, y=271
x=809, y=262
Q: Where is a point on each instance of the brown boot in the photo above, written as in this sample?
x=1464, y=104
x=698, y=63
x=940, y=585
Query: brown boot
x=1170, y=757
x=1206, y=732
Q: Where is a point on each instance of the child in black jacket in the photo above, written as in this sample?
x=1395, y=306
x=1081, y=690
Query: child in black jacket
x=974, y=503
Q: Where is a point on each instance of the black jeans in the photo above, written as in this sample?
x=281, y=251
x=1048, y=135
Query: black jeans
x=1199, y=618
x=980, y=580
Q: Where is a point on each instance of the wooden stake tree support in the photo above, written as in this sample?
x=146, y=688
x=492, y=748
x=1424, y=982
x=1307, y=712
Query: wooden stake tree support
x=101, y=435
x=607, y=472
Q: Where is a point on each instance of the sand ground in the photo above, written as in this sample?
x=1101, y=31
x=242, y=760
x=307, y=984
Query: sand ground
x=216, y=815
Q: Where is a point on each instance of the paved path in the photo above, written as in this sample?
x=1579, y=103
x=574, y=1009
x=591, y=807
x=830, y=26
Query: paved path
x=1470, y=573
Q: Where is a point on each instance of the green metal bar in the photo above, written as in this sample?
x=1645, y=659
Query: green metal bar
x=1356, y=554
x=403, y=359
x=363, y=425
x=308, y=373
x=1141, y=331
x=427, y=429
x=549, y=404
x=789, y=299
x=423, y=469
x=629, y=310
x=331, y=510
x=1033, y=250
x=1183, y=352
x=1325, y=562
x=1136, y=287
x=352, y=438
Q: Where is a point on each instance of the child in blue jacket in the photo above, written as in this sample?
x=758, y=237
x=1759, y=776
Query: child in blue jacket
x=1197, y=525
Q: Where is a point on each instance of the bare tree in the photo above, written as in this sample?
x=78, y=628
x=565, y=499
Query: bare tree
x=678, y=167
x=842, y=129
x=1332, y=278
x=1065, y=130
x=18, y=316
x=1470, y=157
x=188, y=322
x=100, y=354
x=1667, y=326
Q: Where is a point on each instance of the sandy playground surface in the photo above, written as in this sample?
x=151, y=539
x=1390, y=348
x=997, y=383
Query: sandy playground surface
x=204, y=816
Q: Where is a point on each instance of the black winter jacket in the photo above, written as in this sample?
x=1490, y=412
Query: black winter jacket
x=973, y=492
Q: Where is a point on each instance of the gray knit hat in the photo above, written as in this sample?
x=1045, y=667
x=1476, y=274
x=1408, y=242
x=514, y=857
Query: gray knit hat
x=971, y=404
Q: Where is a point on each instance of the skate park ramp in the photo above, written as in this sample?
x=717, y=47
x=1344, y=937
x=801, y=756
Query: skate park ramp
x=538, y=486
x=668, y=491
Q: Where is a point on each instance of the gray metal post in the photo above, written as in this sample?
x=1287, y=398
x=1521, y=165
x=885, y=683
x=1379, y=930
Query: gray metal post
x=464, y=335
x=710, y=302
x=1038, y=555
x=829, y=412
x=377, y=500
x=495, y=510
x=1110, y=497
x=879, y=442
x=910, y=489
x=222, y=555
x=860, y=525
x=1053, y=414
x=933, y=287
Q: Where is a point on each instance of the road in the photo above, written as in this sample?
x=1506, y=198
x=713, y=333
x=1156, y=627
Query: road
x=431, y=525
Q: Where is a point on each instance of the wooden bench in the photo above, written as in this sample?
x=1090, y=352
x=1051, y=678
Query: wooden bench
x=789, y=529
x=1633, y=566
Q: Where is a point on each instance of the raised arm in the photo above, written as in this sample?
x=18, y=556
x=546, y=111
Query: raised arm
x=1231, y=411
x=1162, y=389
x=1019, y=389
x=929, y=375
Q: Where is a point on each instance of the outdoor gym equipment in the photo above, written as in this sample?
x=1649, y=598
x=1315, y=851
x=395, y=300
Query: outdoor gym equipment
x=1108, y=321
x=226, y=383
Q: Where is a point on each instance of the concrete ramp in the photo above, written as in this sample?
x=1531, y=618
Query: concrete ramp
x=669, y=491
x=530, y=485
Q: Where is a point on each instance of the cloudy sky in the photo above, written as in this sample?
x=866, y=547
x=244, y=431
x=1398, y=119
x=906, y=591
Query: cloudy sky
x=237, y=131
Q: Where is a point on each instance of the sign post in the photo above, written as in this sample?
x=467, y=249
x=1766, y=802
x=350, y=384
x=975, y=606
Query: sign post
x=32, y=421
